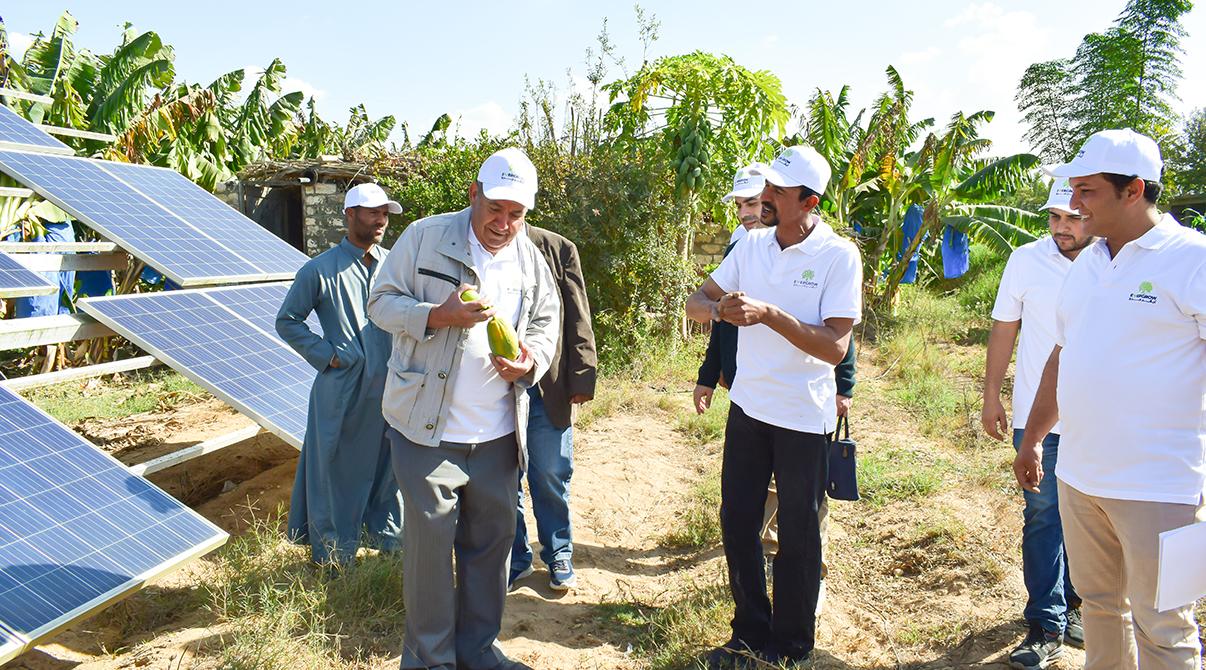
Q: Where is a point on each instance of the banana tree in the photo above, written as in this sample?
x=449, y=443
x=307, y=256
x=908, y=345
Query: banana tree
x=106, y=93
x=854, y=153
x=954, y=177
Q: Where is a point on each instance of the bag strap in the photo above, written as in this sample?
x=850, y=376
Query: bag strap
x=842, y=422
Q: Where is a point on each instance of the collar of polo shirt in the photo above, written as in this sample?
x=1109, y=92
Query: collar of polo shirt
x=809, y=245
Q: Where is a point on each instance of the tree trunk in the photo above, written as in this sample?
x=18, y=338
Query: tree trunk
x=898, y=271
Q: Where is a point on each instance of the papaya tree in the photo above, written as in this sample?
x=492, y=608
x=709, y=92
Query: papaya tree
x=708, y=116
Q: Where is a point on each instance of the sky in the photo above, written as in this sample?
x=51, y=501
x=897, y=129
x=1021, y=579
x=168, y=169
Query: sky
x=417, y=60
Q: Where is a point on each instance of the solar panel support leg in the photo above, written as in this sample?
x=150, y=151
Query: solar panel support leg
x=197, y=450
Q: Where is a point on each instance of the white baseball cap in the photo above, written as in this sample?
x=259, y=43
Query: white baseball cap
x=509, y=175
x=800, y=165
x=1123, y=152
x=369, y=195
x=1060, y=197
x=746, y=183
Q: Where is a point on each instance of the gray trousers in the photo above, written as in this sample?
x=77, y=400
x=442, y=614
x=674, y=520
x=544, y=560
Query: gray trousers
x=458, y=499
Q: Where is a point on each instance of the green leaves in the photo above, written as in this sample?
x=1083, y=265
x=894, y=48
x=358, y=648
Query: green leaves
x=996, y=178
x=1124, y=77
x=1044, y=98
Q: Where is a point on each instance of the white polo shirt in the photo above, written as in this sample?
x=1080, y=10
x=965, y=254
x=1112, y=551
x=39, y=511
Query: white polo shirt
x=817, y=279
x=1028, y=292
x=1132, y=373
x=482, y=407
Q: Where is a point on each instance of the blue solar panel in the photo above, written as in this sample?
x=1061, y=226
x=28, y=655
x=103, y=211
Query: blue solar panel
x=259, y=305
x=77, y=530
x=225, y=340
x=16, y=280
x=15, y=130
x=203, y=211
x=194, y=246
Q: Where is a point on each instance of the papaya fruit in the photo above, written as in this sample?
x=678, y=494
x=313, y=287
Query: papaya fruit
x=503, y=340
x=469, y=295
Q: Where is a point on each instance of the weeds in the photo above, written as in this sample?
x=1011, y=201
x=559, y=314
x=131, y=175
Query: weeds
x=699, y=522
x=118, y=397
x=284, y=612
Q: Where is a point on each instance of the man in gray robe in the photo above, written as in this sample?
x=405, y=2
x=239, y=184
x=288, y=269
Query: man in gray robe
x=344, y=480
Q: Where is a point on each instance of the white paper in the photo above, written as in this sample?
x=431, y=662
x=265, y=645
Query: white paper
x=1182, y=576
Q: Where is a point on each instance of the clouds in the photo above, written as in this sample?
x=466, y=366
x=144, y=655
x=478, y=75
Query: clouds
x=977, y=65
x=489, y=116
x=18, y=43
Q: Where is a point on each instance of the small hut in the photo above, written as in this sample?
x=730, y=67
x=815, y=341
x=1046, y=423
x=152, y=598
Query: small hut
x=301, y=201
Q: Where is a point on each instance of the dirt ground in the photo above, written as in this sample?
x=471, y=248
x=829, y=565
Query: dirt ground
x=632, y=473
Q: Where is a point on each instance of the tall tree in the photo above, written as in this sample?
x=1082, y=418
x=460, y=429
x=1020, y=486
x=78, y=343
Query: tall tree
x=1044, y=98
x=1126, y=76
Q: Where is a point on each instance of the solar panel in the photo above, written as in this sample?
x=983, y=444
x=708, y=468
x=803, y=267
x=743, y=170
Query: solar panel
x=224, y=340
x=191, y=247
x=77, y=530
x=259, y=304
x=17, y=133
x=16, y=280
x=205, y=212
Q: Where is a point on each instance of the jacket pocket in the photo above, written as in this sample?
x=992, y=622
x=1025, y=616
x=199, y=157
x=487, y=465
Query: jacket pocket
x=403, y=391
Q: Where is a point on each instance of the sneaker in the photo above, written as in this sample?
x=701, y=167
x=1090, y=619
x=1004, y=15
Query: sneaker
x=516, y=575
x=732, y=656
x=561, y=575
x=1038, y=650
x=1074, y=633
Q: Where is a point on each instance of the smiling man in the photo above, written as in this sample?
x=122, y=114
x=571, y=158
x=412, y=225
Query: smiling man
x=1026, y=303
x=794, y=290
x=344, y=482
x=458, y=414
x=1127, y=382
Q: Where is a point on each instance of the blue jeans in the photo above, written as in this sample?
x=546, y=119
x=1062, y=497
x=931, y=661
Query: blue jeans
x=1044, y=562
x=550, y=466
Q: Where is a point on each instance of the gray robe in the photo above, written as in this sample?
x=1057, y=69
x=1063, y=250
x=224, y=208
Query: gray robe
x=344, y=479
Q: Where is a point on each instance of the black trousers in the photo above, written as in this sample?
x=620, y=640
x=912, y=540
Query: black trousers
x=753, y=451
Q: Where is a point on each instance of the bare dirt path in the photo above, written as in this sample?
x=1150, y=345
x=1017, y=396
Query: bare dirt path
x=927, y=582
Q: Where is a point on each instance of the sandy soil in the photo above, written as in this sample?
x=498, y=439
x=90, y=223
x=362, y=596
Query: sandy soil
x=631, y=474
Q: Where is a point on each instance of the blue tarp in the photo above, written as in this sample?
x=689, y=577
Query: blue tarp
x=152, y=276
x=956, y=252
x=49, y=305
x=910, y=227
x=94, y=283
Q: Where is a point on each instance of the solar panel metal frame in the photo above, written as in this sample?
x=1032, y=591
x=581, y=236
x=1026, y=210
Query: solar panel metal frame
x=20, y=642
x=8, y=116
x=134, y=249
x=34, y=283
x=89, y=305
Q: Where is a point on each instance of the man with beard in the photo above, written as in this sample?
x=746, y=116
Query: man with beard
x=720, y=365
x=344, y=482
x=795, y=290
x=1026, y=302
x=1127, y=382
x=747, y=193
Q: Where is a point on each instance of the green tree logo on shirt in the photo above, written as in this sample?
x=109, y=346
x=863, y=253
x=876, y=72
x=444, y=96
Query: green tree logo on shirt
x=807, y=275
x=1144, y=294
